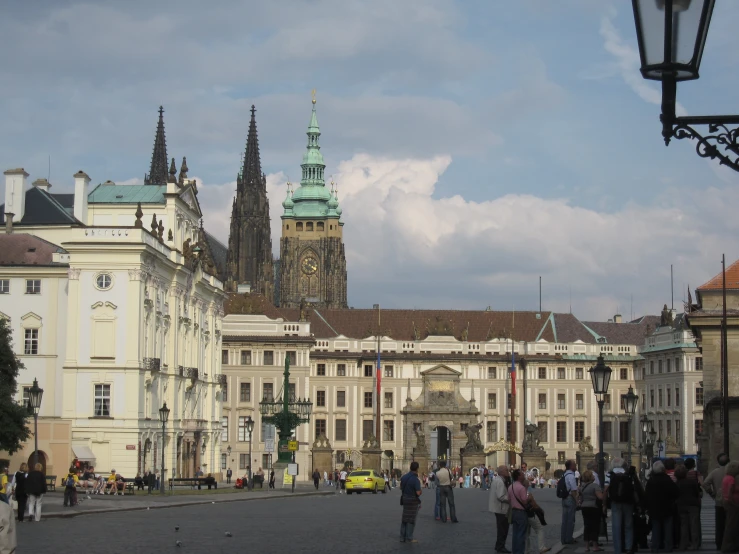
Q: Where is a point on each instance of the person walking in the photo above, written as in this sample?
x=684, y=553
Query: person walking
x=661, y=494
x=712, y=485
x=730, y=494
x=316, y=478
x=444, y=479
x=434, y=484
x=688, y=506
x=518, y=496
x=342, y=479
x=229, y=474
x=567, y=491
x=70, y=484
x=272, y=479
x=36, y=489
x=500, y=505
x=621, y=493
x=591, y=502
x=410, y=490
x=19, y=490
x=8, y=540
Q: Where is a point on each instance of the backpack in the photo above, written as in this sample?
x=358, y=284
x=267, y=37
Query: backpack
x=562, y=491
x=621, y=488
x=70, y=481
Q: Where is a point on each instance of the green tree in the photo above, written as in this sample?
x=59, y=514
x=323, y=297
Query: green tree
x=13, y=429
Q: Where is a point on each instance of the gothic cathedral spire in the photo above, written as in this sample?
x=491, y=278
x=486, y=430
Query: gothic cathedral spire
x=158, y=171
x=312, y=257
x=249, y=260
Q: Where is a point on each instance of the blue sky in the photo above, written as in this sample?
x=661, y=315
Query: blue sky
x=477, y=145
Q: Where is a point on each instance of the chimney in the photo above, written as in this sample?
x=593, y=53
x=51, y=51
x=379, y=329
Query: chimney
x=617, y=318
x=15, y=196
x=42, y=184
x=81, y=180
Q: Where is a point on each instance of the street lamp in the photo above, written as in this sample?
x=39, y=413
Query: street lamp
x=286, y=414
x=35, y=394
x=163, y=417
x=600, y=375
x=249, y=428
x=630, y=404
x=671, y=36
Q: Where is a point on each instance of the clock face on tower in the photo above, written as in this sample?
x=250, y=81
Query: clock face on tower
x=309, y=265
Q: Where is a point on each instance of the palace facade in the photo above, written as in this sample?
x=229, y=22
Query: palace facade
x=333, y=357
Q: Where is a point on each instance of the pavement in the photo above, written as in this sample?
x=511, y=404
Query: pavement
x=53, y=502
x=299, y=523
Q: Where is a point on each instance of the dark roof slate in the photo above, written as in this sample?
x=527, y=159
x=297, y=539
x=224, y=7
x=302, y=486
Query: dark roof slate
x=42, y=208
x=625, y=333
x=570, y=329
x=219, y=251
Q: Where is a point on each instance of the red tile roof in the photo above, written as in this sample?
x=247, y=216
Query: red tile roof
x=732, y=279
x=21, y=249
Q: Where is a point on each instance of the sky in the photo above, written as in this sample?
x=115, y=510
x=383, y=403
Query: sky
x=477, y=145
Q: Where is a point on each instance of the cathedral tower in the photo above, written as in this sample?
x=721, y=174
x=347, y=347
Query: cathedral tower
x=312, y=259
x=249, y=259
x=158, y=172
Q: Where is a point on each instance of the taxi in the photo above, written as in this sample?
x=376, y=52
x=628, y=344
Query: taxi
x=364, y=480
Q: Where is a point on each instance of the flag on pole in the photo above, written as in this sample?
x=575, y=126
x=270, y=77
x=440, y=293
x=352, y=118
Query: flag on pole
x=513, y=368
x=379, y=372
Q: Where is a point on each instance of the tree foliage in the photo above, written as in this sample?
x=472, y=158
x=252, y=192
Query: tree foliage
x=13, y=416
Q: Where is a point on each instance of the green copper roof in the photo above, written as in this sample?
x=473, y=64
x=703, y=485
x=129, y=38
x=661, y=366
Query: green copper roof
x=312, y=199
x=127, y=194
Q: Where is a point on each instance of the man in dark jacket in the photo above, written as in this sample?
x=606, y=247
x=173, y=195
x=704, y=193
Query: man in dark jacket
x=662, y=494
x=316, y=478
x=36, y=489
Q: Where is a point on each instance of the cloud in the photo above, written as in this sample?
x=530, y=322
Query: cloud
x=628, y=64
x=406, y=248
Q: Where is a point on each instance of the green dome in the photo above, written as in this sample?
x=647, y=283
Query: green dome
x=312, y=199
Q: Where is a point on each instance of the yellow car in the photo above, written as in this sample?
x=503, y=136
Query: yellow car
x=364, y=480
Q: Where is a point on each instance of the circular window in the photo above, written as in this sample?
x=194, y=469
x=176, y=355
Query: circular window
x=104, y=281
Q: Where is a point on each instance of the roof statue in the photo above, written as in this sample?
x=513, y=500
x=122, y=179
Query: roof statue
x=666, y=317
x=158, y=171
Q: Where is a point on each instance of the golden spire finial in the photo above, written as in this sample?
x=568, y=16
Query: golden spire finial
x=313, y=96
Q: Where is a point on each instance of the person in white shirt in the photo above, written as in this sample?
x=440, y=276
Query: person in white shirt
x=342, y=481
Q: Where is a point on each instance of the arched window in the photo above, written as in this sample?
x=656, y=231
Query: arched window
x=319, y=226
x=309, y=226
x=299, y=226
x=287, y=226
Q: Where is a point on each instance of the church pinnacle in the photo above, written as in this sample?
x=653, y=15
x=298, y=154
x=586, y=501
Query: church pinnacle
x=158, y=171
x=251, y=170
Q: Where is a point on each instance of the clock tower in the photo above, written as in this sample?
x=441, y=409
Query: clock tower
x=312, y=259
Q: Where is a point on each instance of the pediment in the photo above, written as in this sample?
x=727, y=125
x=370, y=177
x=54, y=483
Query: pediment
x=31, y=321
x=189, y=197
x=441, y=370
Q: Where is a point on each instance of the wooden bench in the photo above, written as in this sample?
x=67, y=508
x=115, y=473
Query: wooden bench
x=51, y=482
x=192, y=482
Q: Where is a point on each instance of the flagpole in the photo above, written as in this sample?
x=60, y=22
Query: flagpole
x=511, y=454
x=378, y=423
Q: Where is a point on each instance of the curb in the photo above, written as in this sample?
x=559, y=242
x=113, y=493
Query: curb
x=559, y=547
x=60, y=515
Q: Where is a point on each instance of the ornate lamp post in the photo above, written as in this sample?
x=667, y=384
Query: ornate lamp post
x=600, y=374
x=285, y=414
x=630, y=401
x=672, y=35
x=651, y=441
x=249, y=428
x=163, y=417
x=34, y=402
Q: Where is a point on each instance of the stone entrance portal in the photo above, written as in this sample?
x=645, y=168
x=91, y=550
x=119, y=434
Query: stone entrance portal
x=435, y=421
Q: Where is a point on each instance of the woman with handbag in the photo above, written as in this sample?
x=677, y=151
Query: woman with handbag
x=19, y=490
x=520, y=509
x=590, y=501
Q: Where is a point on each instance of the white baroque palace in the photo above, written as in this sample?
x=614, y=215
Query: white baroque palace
x=334, y=355
x=114, y=316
